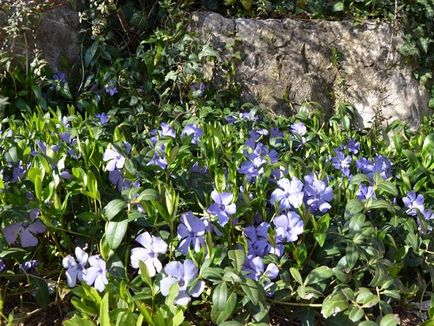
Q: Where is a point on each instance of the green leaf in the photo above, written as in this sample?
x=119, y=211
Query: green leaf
x=356, y=222
x=356, y=314
x=115, y=232
x=90, y=53
x=78, y=321
x=104, y=316
x=296, y=275
x=353, y=207
x=231, y=323
x=388, y=320
x=148, y=194
x=247, y=4
x=352, y=255
x=113, y=208
x=237, y=257
x=41, y=294
x=251, y=289
x=223, y=306
x=144, y=312
x=388, y=187
x=339, y=6
x=318, y=274
x=359, y=178
x=379, y=204
x=368, y=323
x=333, y=304
x=428, y=323
x=144, y=273
x=38, y=187
x=220, y=181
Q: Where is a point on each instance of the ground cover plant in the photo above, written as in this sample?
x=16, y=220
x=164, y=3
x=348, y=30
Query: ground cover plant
x=134, y=193
x=216, y=220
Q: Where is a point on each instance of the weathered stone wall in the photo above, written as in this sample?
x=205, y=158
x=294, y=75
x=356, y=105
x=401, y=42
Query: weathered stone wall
x=55, y=35
x=293, y=59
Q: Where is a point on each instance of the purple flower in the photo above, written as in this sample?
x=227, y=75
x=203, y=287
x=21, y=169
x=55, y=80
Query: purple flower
x=2, y=265
x=66, y=137
x=253, y=166
x=317, y=194
x=116, y=179
x=114, y=159
x=288, y=227
x=192, y=130
x=159, y=158
x=127, y=147
x=96, y=274
x=253, y=138
x=29, y=266
x=196, y=168
x=191, y=233
x=412, y=202
x=60, y=77
x=65, y=174
x=75, y=269
x=249, y=116
x=342, y=162
x=111, y=90
x=230, y=119
x=222, y=207
x=103, y=118
x=25, y=230
x=255, y=269
x=65, y=121
x=353, y=146
x=428, y=214
x=298, y=128
x=276, y=137
x=381, y=165
x=198, y=89
x=365, y=192
x=166, y=130
x=152, y=247
x=181, y=274
x=290, y=194
x=19, y=172
x=257, y=242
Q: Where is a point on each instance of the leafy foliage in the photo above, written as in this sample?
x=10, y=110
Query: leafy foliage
x=147, y=197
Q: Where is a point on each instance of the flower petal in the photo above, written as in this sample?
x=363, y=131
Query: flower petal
x=145, y=239
x=166, y=283
x=27, y=239
x=81, y=255
x=174, y=269
x=189, y=270
x=137, y=255
x=197, y=289
x=36, y=227
x=10, y=232
x=71, y=276
x=182, y=299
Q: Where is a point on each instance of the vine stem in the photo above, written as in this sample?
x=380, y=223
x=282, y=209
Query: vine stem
x=296, y=304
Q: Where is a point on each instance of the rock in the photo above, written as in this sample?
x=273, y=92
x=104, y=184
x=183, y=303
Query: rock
x=55, y=35
x=290, y=61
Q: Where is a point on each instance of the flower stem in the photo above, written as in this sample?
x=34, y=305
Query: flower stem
x=296, y=304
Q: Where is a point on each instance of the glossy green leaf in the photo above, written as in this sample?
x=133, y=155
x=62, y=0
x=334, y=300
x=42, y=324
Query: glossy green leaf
x=104, y=317
x=333, y=304
x=115, y=232
x=319, y=274
x=113, y=208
